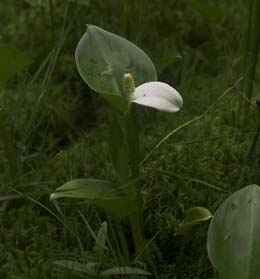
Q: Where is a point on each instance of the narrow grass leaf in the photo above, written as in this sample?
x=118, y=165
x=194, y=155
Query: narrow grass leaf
x=124, y=271
x=87, y=268
x=100, y=244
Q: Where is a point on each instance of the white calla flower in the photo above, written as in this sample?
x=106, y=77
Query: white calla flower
x=157, y=95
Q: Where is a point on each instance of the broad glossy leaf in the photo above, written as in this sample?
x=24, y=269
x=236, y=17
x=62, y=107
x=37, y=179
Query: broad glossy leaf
x=99, y=192
x=12, y=61
x=193, y=217
x=233, y=237
x=88, y=268
x=124, y=271
x=103, y=58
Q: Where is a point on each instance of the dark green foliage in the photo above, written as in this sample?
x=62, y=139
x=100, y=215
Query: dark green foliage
x=60, y=132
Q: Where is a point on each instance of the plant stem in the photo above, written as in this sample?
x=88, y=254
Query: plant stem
x=51, y=9
x=254, y=142
x=9, y=148
x=124, y=246
x=124, y=148
x=136, y=219
x=251, y=52
x=137, y=231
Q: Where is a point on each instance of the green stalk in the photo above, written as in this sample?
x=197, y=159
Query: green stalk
x=137, y=231
x=254, y=47
x=124, y=246
x=9, y=148
x=51, y=10
x=136, y=219
x=247, y=35
x=124, y=149
x=118, y=147
x=133, y=143
x=254, y=141
x=132, y=138
x=251, y=49
x=119, y=156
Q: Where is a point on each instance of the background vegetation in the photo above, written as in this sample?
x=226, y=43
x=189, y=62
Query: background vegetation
x=59, y=129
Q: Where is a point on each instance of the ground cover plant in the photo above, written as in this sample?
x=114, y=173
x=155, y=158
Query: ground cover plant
x=193, y=164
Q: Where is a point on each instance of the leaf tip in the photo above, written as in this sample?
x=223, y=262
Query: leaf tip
x=52, y=196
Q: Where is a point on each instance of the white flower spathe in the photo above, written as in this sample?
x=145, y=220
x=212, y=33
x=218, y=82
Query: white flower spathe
x=158, y=95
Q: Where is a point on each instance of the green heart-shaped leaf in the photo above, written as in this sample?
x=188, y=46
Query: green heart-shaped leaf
x=103, y=58
x=233, y=237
